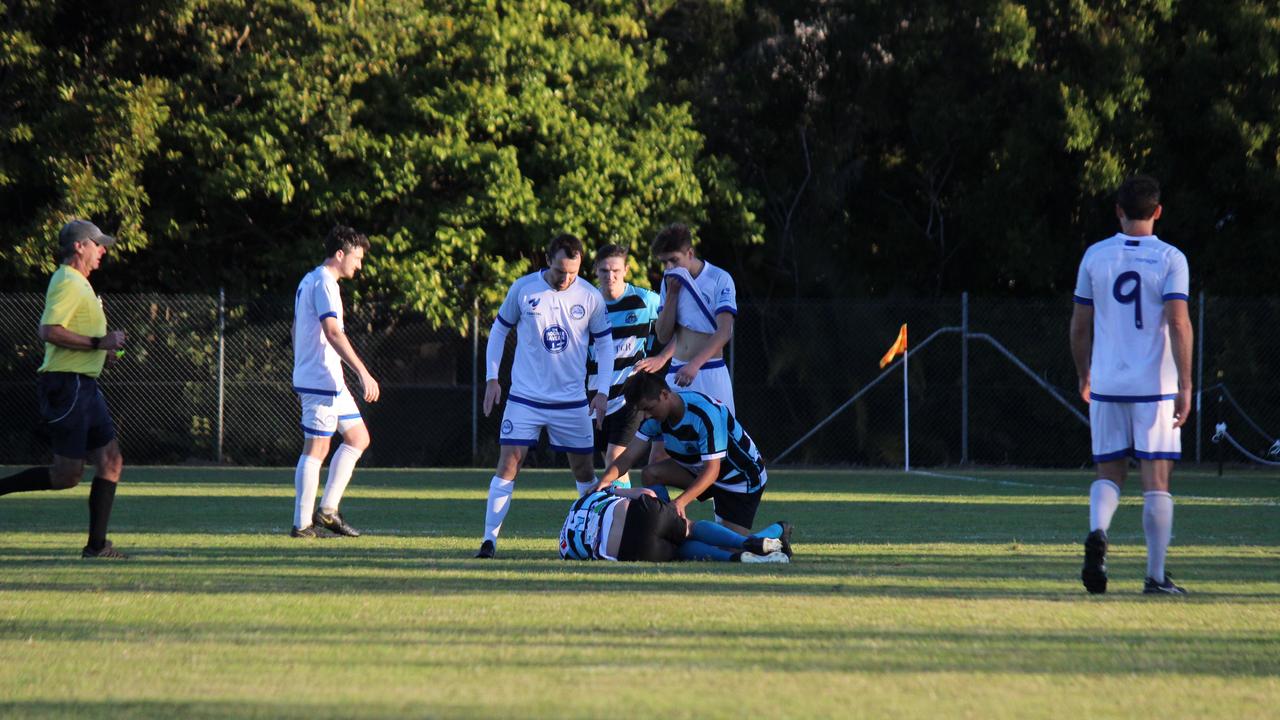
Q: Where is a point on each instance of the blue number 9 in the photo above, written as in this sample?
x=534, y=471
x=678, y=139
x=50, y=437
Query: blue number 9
x=1133, y=296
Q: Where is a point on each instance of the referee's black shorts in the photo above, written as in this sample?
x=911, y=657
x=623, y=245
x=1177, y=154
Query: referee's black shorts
x=75, y=410
x=652, y=532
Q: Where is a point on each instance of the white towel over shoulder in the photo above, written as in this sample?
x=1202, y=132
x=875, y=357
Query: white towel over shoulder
x=703, y=297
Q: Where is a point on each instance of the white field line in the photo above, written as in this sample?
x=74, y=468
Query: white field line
x=1264, y=502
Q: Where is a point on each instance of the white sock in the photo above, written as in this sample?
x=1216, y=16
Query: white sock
x=340, y=468
x=1157, y=523
x=499, y=502
x=1104, y=498
x=586, y=487
x=306, y=480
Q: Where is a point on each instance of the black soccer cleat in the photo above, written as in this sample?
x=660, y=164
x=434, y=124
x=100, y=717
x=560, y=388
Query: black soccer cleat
x=1151, y=587
x=106, y=552
x=785, y=538
x=306, y=532
x=334, y=523
x=1094, y=573
x=487, y=550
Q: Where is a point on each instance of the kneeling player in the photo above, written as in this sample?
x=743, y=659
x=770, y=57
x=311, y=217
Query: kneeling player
x=710, y=455
x=633, y=524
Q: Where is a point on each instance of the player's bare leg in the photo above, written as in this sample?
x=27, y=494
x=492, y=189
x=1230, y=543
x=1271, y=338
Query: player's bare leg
x=501, y=485
x=611, y=453
x=584, y=472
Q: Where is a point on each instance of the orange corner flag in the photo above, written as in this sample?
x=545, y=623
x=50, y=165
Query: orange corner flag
x=899, y=347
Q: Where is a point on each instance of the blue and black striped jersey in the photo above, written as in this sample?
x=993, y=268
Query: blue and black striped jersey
x=632, y=316
x=585, y=532
x=708, y=431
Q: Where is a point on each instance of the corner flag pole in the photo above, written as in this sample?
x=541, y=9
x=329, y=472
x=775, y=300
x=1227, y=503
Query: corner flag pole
x=899, y=347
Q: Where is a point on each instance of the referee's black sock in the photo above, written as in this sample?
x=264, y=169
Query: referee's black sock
x=36, y=478
x=101, y=495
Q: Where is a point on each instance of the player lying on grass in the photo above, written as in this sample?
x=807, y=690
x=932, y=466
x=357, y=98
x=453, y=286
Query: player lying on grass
x=634, y=524
x=710, y=455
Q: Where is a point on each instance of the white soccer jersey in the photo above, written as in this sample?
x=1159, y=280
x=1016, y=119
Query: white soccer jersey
x=703, y=297
x=317, y=369
x=1127, y=281
x=554, y=330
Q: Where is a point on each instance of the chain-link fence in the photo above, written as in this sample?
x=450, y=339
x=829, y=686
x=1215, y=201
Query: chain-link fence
x=991, y=382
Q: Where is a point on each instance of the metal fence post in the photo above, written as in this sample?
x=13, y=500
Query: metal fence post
x=1199, y=373
x=475, y=381
x=222, y=356
x=964, y=378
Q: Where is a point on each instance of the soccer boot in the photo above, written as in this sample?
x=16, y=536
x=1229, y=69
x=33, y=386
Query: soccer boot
x=306, y=532
x=334, y=523
x=106, y=552
x=487, y=550
x=762, y=546
x=785, y=538
x=776, y=556
x=1094, y=573
x=1151, y=587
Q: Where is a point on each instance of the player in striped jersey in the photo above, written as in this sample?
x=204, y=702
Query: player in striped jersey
x=632, y=312
x=633, y=524
x=1131, y=342
x=710, y=454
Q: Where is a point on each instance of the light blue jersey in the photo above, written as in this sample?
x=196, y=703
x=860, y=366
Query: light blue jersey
x=632, y=316
x=585, y=533
x=708, y=431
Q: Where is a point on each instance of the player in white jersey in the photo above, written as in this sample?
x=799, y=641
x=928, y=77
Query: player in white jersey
x=632, y=311
x=320, y=346
x=1131, y=342
x=698, y=307
x=556, y=315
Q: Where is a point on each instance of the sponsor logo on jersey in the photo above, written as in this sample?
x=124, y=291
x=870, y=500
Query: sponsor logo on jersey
x=507, y=427
x=533, y=302
x=555, y=339
x=577, y=312
x=724, y=292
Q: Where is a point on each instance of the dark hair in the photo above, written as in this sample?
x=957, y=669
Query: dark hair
x=608, y=251
x=564, y=242
x=672, y=238
x=1138, y=197
x=345, y=239
x=644, y=386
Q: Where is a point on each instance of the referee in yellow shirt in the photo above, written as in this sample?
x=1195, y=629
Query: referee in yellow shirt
x=76, y=346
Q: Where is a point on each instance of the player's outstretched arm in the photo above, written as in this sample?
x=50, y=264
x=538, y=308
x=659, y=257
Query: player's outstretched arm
x=636, y=449
x=1082, y=345
x=704, y=481
x=1180, y=340
x=655, y=363
x=338, y=339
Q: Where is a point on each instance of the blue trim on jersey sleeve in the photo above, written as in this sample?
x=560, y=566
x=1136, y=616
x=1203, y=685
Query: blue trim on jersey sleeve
x=1143, y=455
x=504, y=322
x=1131, y=398
x=329, y=314
x=602, y=333
x=1082, y=300
x=314, y=391
x=547, y=406
x=514, y=441
x=572, y=450
x=317, y=433
x=726, y=308
x=1175, y=296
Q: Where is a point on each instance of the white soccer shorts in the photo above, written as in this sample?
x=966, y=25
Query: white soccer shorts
x=1142, y=429
x=712, y=380
x=322, y=415
x=568, y=425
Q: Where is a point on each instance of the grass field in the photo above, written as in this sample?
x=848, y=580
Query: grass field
x=910, y=595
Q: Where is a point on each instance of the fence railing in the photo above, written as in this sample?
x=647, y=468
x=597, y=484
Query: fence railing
x=207, y=379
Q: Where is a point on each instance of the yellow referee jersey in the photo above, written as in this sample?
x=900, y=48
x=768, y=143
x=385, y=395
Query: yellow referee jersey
x=71, y=303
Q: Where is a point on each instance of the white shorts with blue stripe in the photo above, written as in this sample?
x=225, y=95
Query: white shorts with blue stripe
x=322, y=414
x=568, y=425
x=1143, y=430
